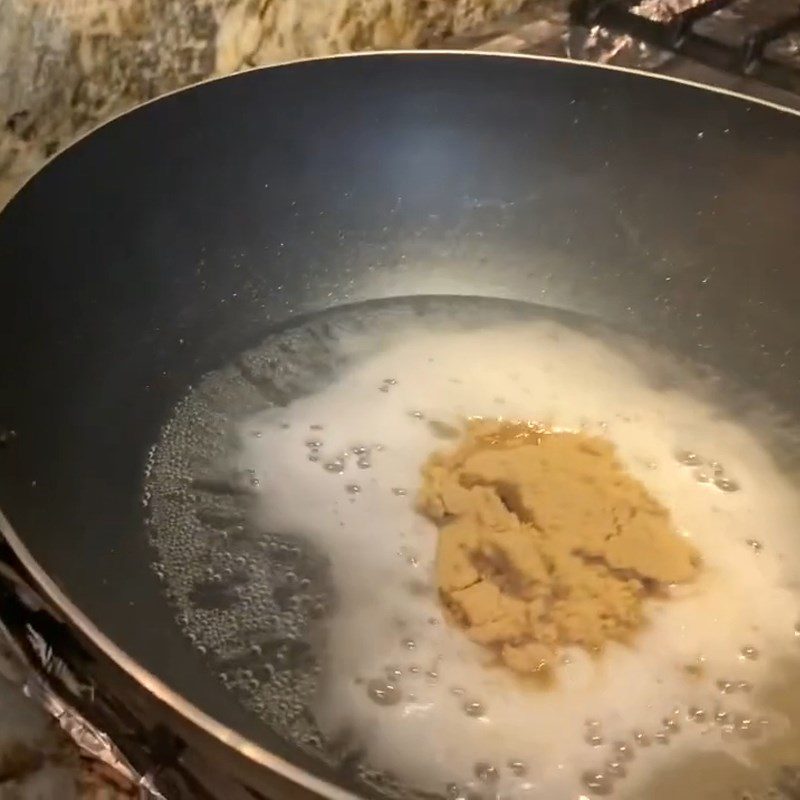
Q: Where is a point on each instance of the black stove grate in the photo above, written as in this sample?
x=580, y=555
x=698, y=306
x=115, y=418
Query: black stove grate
x=678, y=34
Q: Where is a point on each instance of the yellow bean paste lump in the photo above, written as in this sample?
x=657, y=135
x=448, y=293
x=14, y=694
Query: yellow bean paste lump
x=546, y=542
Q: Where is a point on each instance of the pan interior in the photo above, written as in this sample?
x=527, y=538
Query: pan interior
x=257, y=601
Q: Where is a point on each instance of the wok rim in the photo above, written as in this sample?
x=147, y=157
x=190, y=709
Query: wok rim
x=159, y=689
x=438, y=52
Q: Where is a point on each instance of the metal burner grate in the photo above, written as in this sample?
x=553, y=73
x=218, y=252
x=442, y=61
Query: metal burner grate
x=757, y=53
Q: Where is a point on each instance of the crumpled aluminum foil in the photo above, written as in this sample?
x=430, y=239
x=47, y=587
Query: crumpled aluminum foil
x=89, y=739
x=607, y=47
x=37, y=681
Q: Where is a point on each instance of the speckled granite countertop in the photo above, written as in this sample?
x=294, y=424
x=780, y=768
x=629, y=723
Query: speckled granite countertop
x=68, y=65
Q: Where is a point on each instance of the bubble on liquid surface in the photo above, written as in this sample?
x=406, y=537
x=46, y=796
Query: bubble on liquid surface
x=616, y=769
x=384, y=693
x=599, y=783
x=641, y=738
x=697, y=714
x=594, y=738
x=749, y=652
x=688, y=457
x=726, y=484
x=474, y=708
x=485, y=772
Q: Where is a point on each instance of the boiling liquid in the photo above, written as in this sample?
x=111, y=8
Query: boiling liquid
x=332, y=467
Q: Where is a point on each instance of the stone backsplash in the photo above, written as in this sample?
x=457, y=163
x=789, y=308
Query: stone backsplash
x=68, y=65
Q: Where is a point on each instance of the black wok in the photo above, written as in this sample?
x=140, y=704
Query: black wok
x=172, y=238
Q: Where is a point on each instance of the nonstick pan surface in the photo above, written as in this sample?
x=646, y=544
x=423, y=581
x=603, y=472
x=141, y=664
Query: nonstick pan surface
x=164, y=244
